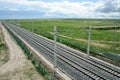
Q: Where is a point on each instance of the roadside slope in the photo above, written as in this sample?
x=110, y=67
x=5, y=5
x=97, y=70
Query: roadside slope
x=4, y=56
x=18, y=67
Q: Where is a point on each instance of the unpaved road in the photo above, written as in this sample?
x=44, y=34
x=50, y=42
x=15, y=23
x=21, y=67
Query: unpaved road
x=4, y=56
x=18, y=67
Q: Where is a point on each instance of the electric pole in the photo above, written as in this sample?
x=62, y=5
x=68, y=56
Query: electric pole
x=55, y=46
x=89, y=36
x=32, y=27
x=114, y=47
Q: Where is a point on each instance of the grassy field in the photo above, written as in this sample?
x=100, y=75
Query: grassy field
x=74, y=32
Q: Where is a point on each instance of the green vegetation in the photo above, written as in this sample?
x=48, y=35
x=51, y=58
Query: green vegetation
x=74, y=32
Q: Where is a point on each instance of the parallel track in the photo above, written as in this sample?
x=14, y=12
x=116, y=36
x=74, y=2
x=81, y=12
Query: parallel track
x=68, y=61
x=88, y=60
x=71, y=62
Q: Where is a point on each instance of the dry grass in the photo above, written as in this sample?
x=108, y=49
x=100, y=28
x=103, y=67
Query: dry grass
x=4, y=56
x=21, y=74
x=16, y=67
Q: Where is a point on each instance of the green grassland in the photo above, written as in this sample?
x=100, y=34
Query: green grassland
x=74, y=32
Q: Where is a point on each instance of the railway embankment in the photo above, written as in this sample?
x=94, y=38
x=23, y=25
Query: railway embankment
x=18, y=67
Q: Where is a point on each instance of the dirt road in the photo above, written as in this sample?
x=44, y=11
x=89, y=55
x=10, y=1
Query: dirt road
x=18, y=67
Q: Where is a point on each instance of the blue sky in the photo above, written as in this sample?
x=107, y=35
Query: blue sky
x=19, y=9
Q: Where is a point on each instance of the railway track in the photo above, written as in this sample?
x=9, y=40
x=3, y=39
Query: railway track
x=70, y=62
x=66, y=57
x=89, y=60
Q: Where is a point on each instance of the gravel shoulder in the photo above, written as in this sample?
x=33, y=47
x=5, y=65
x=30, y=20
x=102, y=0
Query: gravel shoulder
x=17, y=67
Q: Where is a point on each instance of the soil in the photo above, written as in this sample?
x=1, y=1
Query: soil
x=4, y=56
x=18, y=66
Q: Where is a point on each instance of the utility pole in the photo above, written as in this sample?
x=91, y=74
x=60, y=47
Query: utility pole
x=32, y=27
x=55, y=51
x=55, y=47
x=46, y=23
x=114, y=47
x=89, y=36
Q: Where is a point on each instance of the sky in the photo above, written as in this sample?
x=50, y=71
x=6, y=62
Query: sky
x=22, y=9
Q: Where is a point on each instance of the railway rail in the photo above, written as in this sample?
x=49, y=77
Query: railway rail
x=78, y=64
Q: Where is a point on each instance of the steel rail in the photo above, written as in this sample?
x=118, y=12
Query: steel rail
x=103, y=67
x=68, y=61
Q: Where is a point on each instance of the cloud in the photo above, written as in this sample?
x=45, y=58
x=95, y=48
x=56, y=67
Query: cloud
x=107, y=9
x=14, y=9
x=63, y=7
x=67, y=8
x=19, y=14
x=108, y=6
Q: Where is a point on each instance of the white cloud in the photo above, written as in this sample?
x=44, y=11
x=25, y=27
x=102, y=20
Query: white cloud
x=102, y=8
x=13, y=9
x=65, y=7
x=31, y=9
x=108, y=6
